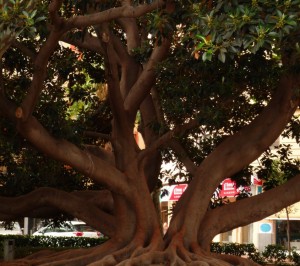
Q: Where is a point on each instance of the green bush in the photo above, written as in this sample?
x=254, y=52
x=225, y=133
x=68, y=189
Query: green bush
x=48, y=241
x=228, y=248
x=216, y=247
x=276, y=254
x=257, y=257
x=236, y=249
x=26, y=245
x=295, y=258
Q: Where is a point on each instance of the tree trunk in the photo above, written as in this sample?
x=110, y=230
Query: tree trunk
x=129, y=174
x=288, y=231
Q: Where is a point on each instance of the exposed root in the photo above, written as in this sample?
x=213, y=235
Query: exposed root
x=128, y=253
x=169, y=257
x=175, y=254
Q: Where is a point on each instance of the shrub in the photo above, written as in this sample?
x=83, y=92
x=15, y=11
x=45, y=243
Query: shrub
x=26, y=245
x=247, y=250
x=295, y=258
x=276, y=254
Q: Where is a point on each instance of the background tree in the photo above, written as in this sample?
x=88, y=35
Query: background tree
x=211, y=83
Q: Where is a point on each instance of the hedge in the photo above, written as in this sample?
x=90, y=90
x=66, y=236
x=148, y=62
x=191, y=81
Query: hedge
x=26, y=245
x=53, y=242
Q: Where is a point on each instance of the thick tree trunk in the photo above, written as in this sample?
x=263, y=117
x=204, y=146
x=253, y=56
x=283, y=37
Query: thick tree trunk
x=126, y=213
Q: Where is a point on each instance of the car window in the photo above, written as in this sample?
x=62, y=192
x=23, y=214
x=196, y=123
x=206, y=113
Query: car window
x=60, y=229
x=67, y=229
x=84, y=228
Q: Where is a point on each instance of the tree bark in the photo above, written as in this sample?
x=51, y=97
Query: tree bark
x=129, y=174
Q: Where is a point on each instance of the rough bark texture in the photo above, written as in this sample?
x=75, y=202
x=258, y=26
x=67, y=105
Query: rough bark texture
x=126, y=209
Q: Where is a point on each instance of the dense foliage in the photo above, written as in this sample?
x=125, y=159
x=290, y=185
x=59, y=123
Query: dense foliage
x=209, y=77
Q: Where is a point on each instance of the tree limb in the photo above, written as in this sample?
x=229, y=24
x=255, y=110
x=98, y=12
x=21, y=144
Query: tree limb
x=130, y=27
x=53, y=9
x=238, y=151
x=177, y=131
x=248, y=210
x=25, y=50
x=95, y=134
x=111, y=14
x=70, y=154
x=130, y=68
x=39, y=74
x=66, y=202
x=101, y=153
x=183, y=156
x=88, y=42
x=147, y=78
x=67, y=152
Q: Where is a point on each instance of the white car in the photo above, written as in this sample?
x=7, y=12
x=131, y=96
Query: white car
x=68, y=229
x=14, y=229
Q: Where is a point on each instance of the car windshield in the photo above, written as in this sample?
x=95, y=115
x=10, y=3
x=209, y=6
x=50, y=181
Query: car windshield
x=59, y=229
x=62, y=228
x=84, y=228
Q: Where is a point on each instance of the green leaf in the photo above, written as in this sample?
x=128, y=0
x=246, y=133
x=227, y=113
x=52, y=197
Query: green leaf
x=40, y=19
x=25, y=13
x=33, y=13
x=291, y=22
x=222, y=57
x=207, y=56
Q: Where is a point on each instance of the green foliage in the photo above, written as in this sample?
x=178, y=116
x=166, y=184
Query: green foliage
x=61, y=109
x=236, y=249
x=27, y=245
x=296, y=257
x=52, y=242
x=278, y=167
x=222, y=97
x=230, y=27
x=272, y=253
x=257, y=257
x=275, y=254
x=293, y=129
x=16, y=16
x=69, y=94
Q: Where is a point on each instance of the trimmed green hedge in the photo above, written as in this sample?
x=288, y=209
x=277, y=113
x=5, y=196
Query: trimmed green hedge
x=246, y=250
x=27, y=245
x=274, y=254
x=53, y=242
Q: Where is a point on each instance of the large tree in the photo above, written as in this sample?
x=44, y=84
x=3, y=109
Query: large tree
x=210, y=83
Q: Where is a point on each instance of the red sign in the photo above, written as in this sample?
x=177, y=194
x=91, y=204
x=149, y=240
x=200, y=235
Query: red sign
x=177, y=192
x=257, y=181
x=229, y=188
